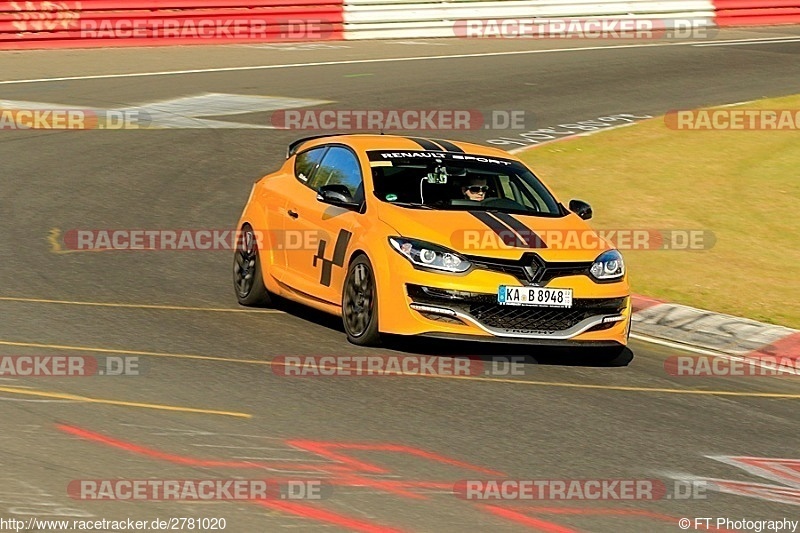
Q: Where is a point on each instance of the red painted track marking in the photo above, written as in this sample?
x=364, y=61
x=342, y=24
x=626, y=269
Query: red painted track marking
x=772, y=493
x=190, y=461
x=324, y=449
x=347, y=473
x=582, y=511
x=398, y=488
x=525, y=520
x=611, y=512
x=328, y=517
x=782, y=470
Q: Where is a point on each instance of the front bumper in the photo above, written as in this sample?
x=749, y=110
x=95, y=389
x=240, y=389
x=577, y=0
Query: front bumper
x=519, y=322
x=465, y=306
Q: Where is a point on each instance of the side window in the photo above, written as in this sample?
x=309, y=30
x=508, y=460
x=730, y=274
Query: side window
x=505, y=184
x=305, y=163
x=340, y=167
x=529, y=196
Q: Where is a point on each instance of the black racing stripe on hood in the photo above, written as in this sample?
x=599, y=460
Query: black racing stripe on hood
x=508, y=237
x=528, y=235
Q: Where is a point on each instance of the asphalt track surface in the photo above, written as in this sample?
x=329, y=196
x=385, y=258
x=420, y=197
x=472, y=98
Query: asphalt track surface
x=209, y=405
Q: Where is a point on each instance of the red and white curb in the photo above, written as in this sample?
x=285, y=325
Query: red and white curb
x=701, y=331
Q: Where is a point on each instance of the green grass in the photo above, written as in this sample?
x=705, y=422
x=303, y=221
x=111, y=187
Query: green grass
x=744, y=186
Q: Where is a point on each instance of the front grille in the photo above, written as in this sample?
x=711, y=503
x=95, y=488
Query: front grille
x=532, y=269
x=485, y=309
x=540, y=318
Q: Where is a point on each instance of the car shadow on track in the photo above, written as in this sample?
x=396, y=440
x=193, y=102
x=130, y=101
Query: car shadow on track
x=486, y=351
x=527, y=353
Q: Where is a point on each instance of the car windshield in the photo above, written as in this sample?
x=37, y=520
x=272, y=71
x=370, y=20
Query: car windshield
x=456, y=181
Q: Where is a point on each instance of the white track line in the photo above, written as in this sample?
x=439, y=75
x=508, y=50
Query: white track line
x=577, y=135
x=765, y=40
x=677, y=345
x=755, y=41
x=610, y=128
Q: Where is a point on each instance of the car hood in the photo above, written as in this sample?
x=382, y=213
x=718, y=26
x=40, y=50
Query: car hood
x=496, y=234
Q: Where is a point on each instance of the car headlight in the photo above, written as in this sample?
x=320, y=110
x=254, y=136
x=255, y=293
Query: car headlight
x=609, y=265
x=426, y=255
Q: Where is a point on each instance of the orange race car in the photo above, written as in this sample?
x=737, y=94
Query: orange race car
x=412, y=236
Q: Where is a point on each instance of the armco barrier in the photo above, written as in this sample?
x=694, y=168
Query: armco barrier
x=100, y=23
x=757, y=12
x=384, y=19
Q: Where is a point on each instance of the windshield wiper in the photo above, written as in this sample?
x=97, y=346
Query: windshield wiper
x=478, y=207
x=414, y=205
x=530, y=213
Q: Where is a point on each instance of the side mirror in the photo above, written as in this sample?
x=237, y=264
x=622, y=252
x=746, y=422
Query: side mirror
x=581, y=208
x=337, y=195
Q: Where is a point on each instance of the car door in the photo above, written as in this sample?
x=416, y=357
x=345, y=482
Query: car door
x=320, y=233
x=275, y=197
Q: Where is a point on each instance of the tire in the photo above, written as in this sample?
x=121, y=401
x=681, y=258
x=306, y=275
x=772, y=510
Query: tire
x=630, y=326
x=360, y=304
x=248, y=282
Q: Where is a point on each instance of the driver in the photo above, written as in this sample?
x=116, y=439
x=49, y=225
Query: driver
x=475, y=188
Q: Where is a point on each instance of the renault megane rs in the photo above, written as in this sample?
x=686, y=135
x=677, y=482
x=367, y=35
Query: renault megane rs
x=412, y=236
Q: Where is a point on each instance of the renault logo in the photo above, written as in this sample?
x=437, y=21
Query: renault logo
x=535, y=271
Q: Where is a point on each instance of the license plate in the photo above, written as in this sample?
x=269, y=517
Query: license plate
x=534, y=296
